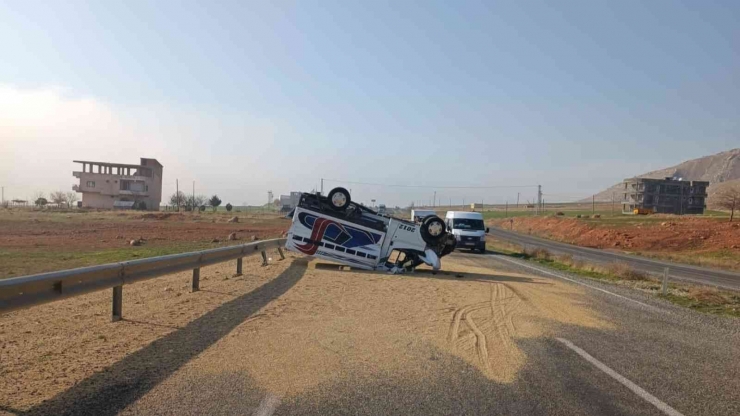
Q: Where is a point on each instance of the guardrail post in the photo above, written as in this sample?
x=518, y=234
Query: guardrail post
x=196, y=280
x=665, y=281
x=117, y=304
x=264, y=258
x=282, y=256
x=239, y=266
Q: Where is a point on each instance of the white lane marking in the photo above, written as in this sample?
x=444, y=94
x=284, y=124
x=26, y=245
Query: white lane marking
x=579, y=283
x=630, y=385
x=267, y=406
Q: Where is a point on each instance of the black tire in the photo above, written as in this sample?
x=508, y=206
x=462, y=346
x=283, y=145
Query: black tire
x=432, y=229
x=339, y=199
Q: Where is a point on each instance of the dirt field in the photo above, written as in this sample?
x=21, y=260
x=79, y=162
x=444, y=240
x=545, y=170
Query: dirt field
x=703, y=241
x=340, y=320
x=36, y=241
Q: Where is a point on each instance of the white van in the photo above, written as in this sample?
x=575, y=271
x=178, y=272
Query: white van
x=418, y=215
x=468, y=229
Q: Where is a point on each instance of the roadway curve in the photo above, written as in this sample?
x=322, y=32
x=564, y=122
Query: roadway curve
x=692, y=274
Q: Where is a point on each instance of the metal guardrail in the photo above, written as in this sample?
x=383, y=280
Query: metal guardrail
x=25, y=291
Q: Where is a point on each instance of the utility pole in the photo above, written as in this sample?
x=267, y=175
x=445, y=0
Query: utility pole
x=177, y=192
x=435, y=199
x=612, y=204
x=322, y=186
x=3, y=200
x=507, y=209
x=517, y=200
x=593, y=204
x=193, y=196
x=539, y=198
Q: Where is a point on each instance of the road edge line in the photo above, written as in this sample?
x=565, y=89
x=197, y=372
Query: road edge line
x=662, y=406
x=577, y=282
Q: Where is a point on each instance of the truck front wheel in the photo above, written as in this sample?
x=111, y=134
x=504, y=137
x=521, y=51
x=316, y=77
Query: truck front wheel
x=432, y=229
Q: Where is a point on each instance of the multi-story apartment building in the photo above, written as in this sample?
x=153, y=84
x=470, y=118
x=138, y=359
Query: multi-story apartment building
x=668, y=196
x=115, y=185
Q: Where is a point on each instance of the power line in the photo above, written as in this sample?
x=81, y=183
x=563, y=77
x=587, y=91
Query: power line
x=432, y=186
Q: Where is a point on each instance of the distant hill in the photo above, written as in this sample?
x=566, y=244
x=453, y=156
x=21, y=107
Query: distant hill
x=713, y=189
x=716, y=169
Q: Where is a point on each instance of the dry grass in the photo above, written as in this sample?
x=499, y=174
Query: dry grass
x=709, y=296
x=625, y=271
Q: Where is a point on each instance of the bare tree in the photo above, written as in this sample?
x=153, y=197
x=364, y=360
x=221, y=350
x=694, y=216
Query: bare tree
x=39, y=195
x=58, y=197
x=729, y=199
x=71, y=198
x=178, y=199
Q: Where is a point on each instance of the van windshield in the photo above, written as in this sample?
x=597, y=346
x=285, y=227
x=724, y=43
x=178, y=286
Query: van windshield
x=467, y=224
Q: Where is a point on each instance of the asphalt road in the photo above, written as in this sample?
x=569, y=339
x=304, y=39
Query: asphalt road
x=693, y=274
x=339, y=343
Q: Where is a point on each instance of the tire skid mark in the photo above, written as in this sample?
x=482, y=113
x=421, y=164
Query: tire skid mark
x=458, y=316
x=502, y=304
x=480, y=339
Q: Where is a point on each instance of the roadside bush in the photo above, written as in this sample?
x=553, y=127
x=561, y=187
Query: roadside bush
x=538, y=253
x=229, y=207
x=560, y=213
x=624, y=271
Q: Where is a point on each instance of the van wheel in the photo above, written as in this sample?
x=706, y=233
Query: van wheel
x=339, y=199
x=432, y=229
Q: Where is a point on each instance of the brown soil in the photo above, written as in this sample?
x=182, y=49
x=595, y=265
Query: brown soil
x=100, y=230
x=36, y=242
x=662, y=233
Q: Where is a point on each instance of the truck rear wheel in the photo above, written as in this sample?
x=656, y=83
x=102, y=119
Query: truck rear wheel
x=339, y=199
x=432, y=229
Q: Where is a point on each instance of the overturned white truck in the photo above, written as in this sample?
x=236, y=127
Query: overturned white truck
x=335, y=228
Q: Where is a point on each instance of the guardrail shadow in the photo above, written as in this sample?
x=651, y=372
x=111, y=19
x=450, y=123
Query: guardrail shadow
x=110, y=391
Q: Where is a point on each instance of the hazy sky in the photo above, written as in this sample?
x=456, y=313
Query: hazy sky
x=245, y=97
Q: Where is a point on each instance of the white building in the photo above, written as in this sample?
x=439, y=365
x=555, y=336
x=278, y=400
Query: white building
x=288, y=202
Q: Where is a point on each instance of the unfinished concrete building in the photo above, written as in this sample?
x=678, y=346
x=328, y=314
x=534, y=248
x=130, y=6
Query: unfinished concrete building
x=665, y=196
x=106, y=185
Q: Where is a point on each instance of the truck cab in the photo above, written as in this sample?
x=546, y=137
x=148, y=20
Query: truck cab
x=468, y=229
